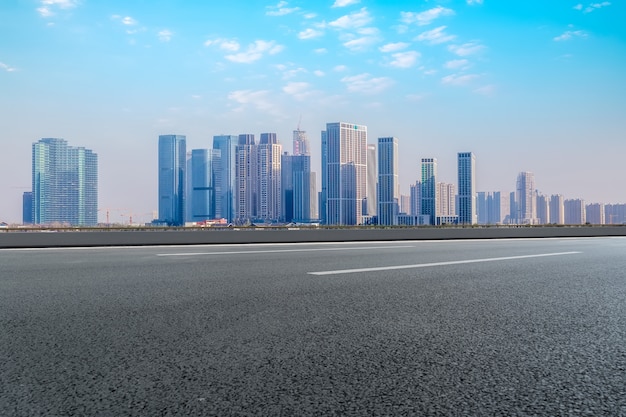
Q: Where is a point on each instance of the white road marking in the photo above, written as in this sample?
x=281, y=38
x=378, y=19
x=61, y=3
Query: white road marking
x=468, y=261
x=281, y=251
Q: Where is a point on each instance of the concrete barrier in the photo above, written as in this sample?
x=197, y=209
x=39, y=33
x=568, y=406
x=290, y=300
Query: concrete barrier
x=107, y=237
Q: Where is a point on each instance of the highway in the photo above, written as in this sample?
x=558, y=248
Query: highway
x=465, y=328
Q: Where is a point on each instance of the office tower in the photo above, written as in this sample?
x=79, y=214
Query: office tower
x=323, y=195
x=286, y=182
x=525, y=198
x=416, y=199
x=575, y=212
x=405, y=204
x=226, y=178
x=492, y=207
x=467, y=188
x=65, y=184
x=482, y=213
x=429, y=188
x=300, y=142
x=202, y=178
x=557, y=209
x=188, y=189
x=446, y=199
x=501, y=208
x=512, y=218
x=269, y=192
x=172, y=179
x=615, y=213
x=346, y=171
x=304, y=190
x=246, y=177
x=543, y=209
x=388, y=186
x=595, y=213
x=27, y=207
x=372, y=180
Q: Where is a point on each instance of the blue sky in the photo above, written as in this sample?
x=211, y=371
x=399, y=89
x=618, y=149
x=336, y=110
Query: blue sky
x=526, y=85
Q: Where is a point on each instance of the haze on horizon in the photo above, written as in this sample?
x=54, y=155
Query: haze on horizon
x=526, y=86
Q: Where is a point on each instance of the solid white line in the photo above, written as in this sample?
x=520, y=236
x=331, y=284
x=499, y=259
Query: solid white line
x=468, y=261
x=281, y=251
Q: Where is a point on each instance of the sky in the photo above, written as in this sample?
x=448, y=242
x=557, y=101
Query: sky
x=529, y=85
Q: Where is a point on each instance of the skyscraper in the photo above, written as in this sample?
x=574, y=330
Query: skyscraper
x=388, y=186
x=372, y=180
x=557, y=209
x=543, y=208
x=416, y=199
x=304, y=190
x=286, y=183
x=467, y=188
x=202, y=173
x=27, y=207
x=172, y=179
x=525, y=201
x=226, y=181
x=246, y=177
x=300, y=142
x=323, y=197
x=269, y=192
x=575, y=211
x=65, y=183
x=446, y=199
x=429, y=188
x=345, y=170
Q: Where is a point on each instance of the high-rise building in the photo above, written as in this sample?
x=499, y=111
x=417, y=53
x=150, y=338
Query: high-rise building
x=226, y=179
x=269, y=192
x=543, y=209
x=429, y=188
x=172, y=179
x=65, y=184
x=405, y=204
x=492, y=207
x=595, y=213
x=525, y=200
x=286, y=182
x=467, y=188
x=304, y=190
x=27, y=207
x=446, y=199
x=246, y=177
x=388, y=186
x=323, y=195
x=557, y=209
x=575, y=212
x=203, y=178
x=416, y=199
x=300, y=142
x=615, y=213
x=345, y=169
x=372, y=181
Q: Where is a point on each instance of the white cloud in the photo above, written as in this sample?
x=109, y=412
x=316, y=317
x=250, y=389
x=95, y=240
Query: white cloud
x=366, y=84
x=457, y=64
x=458, y=80
x=344, y=3
x=579, y=6
x=281, y=9
x=299, y=90
x=404, y=59
x=319, y=73
x=393, y=47
x=352, y=21
x=592, y=7
x=473, y=2
x=360, y=44
x=466, y=49
x=229, y=45
x=310, y=34
x=567, y=35
x=7, y=68
x=486, y=90
x=340, y=68
x=249, y=98
x=48, y=7
x=426, y=17
x=435, y=36
x=165, y=35
x=129, y=21
x=320, y=51
x=287, y=74
x=255, y=51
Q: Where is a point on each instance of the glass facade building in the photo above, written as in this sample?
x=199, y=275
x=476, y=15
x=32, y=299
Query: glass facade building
x=172, y=179
x=429, y=188
x=226, y=180
x=467, y=188
x=388, y=186
x=64, y=184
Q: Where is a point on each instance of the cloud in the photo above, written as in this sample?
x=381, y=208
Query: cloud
x=404, y=59
x=426, y=17
x=353, y=20
x=229, y=45
x=249, y=98
x=281, y=9
x=320, y=51
x=255, y=51
x=319, y=73
x=435, y=36
x=7, y=68
x=457, y=64
x=393, y=47
x=340, y=68
x=486, y=90
x=287, y=74
x=458, y=80
x=165, y=35
x=473, y=2
x=125, y=20
x=48, y=7
x=466, y=49
x=592, y=7
x=299, y=90
x=344, y=3
x=567, y=35
x=366, y=84
x=310, y=34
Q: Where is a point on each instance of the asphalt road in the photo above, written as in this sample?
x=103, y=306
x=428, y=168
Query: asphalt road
x=490, y=327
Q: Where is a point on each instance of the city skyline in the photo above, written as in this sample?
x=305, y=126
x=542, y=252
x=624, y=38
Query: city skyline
x=525, y=86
